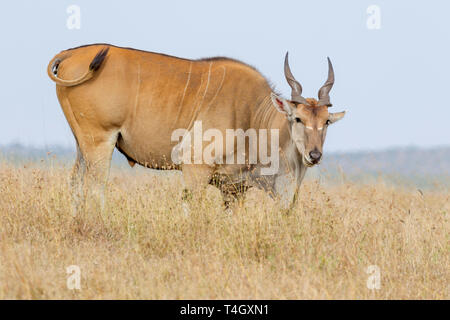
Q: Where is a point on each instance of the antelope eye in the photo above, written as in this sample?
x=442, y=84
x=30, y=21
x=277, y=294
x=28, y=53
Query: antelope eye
x=298, y=120
x=328, y=122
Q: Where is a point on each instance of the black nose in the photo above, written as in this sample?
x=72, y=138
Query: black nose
x=315, y=155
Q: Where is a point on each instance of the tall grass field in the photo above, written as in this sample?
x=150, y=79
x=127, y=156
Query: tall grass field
x=144, y=246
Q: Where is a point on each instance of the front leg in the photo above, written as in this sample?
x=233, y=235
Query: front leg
x=196, y=179
x=286, y=190
x=300, y=174
x=233, y=195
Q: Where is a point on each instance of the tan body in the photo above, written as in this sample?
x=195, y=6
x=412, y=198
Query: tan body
x=136, y=99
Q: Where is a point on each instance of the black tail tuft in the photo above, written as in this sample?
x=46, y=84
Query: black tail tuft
x=98, y=59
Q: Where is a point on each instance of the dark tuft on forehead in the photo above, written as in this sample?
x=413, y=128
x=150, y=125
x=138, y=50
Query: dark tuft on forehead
x=314, y=109
x=312, y=102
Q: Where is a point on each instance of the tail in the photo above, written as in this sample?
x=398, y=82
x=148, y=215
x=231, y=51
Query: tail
x=52, y=69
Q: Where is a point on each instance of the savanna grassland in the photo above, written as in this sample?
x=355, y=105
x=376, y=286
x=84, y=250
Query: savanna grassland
x=145, y=247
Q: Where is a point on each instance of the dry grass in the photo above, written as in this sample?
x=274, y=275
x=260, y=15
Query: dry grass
x=146, y=248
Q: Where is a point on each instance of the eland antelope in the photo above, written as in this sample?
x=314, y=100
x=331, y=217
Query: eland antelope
x=133, y=100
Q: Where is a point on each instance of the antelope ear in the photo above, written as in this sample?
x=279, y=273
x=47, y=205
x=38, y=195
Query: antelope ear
x=281, y=104
x=333, y=117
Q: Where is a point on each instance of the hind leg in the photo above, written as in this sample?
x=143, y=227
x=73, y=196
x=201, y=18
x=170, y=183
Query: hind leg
x=95, y=128
x=96, y=152
x=76, y=182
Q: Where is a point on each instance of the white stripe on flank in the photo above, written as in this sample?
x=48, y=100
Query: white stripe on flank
x=220, y=86
x=136, y=100
x=184, y=93
x=197, y=109
x=207, y=83
x=187, y=84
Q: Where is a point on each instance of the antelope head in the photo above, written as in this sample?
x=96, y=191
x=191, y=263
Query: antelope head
x=308, y=118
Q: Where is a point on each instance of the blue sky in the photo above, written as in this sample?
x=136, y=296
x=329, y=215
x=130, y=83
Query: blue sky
x=393, y=81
